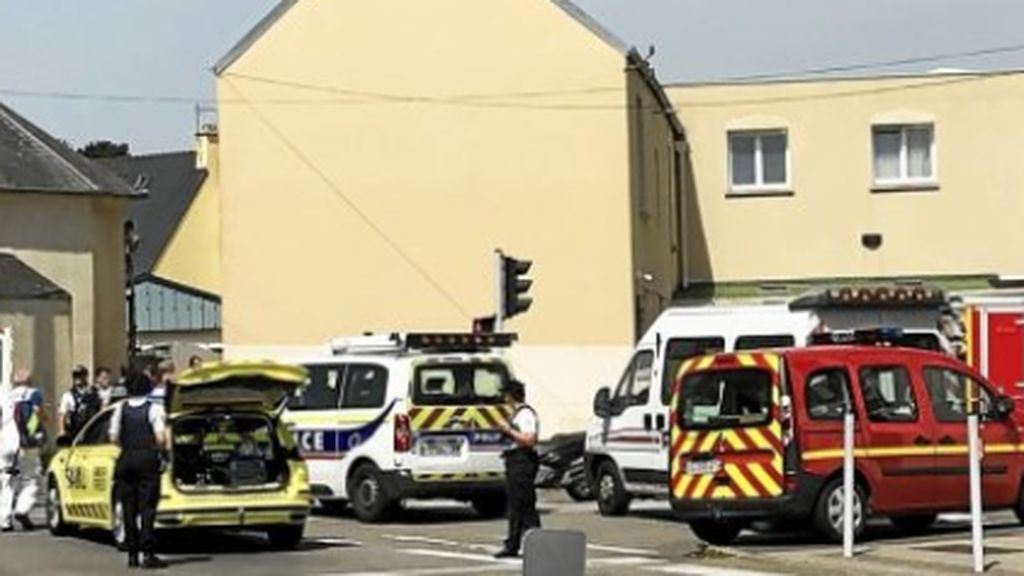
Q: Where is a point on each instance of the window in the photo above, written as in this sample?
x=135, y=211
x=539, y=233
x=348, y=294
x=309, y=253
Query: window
x=757, y=342
x=98, y=431
x=726, y=398
x=888, y=394
x=366, y=386
x=451, y=384
x=758, y=161
x=904, y=154
x=635, y=386
x=947, y=390
x=677, y=351
x=322, y=391
x=827, y=393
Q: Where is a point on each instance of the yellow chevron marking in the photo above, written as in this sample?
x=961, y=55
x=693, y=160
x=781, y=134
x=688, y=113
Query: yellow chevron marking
x=746, y=360
x=709, y=442
x=775, y=428
x=734, y=440
x=759, y=440
x=740, y=480
x=688, y=442
x=723, y=493
x=705, y=362
x=422, y=416
x=702, y=486
x=682, y=485
x=767, y=482
x=772, y=360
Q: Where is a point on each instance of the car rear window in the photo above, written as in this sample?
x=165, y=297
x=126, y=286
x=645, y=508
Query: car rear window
x=677, y=351
x=761, y=341
x=726, y=398
x=459, y=383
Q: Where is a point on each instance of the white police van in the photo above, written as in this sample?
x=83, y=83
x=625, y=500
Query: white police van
x=627, y=447
x=392, y=417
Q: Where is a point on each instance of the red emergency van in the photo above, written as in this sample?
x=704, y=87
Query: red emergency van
x=758, y=436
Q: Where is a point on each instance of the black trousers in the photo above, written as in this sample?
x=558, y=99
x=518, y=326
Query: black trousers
x=138, y=487
x=520, y=472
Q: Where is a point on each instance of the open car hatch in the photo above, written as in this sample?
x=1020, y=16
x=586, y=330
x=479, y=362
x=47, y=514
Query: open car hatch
x=250, y=385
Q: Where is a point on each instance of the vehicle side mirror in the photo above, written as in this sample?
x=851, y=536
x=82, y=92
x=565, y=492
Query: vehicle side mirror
x=602, y=403
x=1003, y=407
x=64, y=441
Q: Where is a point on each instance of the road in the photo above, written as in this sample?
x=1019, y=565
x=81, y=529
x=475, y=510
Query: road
x=447, y=538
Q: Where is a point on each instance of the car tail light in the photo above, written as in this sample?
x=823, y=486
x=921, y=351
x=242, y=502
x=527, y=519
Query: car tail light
x=786, y=420
x=403, y=433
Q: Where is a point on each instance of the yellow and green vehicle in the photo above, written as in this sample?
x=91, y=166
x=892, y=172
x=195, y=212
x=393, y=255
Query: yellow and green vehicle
x=233, y=463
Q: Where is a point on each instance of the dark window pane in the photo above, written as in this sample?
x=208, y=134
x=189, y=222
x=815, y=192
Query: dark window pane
x=773, y=158
x=679, y=350
x=742, y=148
x=888, y=394
x=366, y=386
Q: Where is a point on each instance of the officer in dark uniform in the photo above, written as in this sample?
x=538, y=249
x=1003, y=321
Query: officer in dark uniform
x=521, y=465
x=139, y=426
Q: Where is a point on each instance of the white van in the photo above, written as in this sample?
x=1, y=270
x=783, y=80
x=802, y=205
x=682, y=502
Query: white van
x=627, y=446
x=392, y=417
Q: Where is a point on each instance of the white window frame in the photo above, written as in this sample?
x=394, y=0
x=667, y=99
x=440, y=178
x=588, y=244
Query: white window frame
x=759, y=186
x=904, y=180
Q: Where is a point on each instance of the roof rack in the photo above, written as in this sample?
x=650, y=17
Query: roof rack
x=886, y=335
x=421, y=341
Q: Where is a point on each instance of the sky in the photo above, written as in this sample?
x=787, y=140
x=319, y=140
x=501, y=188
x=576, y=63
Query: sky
x=166, y=48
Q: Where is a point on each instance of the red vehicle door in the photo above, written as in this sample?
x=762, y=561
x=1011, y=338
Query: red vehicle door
x=899, y=450
x=947, y=397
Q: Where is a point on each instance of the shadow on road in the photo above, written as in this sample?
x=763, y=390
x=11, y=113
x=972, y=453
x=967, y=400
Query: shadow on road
x=195, y=546
x=878, y=531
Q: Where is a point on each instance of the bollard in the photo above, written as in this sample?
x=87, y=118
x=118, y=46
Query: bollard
x=848, y=485
x=974, y=454
x=554, y=553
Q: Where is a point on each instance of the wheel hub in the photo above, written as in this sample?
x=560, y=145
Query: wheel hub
x=607, y=488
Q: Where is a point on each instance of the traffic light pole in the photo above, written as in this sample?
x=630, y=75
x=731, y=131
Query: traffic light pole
x=499, y=290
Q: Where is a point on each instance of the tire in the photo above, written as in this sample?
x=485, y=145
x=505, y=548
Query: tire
x=54, y=511
x=286, y=537
x=366, y=493
x=913, y=523
x=580, y=490
x=491, y=505
x=612, y=499
x=828, y=511
x=716, y=532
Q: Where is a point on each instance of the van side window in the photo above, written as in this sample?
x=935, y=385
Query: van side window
x=322, y=391
x=677, y=351
x=826, y=394
x=947, y=390
x=366, y=386
x=757, y=342
x=888, y=394
x=635, y=386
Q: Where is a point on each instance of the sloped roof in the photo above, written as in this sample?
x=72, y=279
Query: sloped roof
x=19, y=281
x=173, y=181
x=282, y=7
x=33, y=161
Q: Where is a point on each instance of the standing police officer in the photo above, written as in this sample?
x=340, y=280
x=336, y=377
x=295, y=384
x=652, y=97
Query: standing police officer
x=521, y=465
x=139, y=426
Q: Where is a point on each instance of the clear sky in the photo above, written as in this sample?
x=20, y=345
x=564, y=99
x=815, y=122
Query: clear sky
x=166, y=47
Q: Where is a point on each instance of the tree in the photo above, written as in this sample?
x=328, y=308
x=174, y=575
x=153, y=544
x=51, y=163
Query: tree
x=104, y=149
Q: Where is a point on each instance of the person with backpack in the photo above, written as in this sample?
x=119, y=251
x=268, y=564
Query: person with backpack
x=22, y=434
x=79, y=404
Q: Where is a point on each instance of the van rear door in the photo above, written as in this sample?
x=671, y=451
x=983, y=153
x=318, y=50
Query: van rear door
x=727, y=428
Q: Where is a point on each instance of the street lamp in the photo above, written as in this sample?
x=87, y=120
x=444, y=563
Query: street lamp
x=131, y=244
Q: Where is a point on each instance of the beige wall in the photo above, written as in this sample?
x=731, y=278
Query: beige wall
x=76, y=243
x=192, y=257
x=542, y=176
x=970, y=224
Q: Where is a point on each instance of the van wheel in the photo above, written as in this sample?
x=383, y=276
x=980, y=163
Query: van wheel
x=580, y=490
x=285, y=537
x=913, y=523
x=491, y=505
x=54, y=513
x=612, y=499
x=716, y=532
x=366, y=492
x=828, y=512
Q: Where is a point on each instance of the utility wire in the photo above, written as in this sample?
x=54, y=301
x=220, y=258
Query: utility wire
x=359, y=212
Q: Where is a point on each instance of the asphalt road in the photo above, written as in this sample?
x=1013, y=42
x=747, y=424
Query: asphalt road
x=431, y=539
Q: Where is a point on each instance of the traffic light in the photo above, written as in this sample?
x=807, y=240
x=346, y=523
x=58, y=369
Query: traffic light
x=515, y=286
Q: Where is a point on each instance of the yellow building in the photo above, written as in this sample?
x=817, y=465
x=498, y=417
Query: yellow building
x=61, y=258
x=880, y=177
x=373, y=155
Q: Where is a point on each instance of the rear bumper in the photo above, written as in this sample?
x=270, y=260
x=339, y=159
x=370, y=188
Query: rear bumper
x=232, y=516
x=797, y=504
x=401, y=485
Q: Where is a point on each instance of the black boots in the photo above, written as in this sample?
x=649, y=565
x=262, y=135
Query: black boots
x=149, y=562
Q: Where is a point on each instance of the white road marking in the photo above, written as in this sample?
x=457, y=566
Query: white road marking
x=460, y=556
x=698, y=570
x=621, y=550
x=436, y=571
x=336, y=541
x=624, y=561
x=490, y=549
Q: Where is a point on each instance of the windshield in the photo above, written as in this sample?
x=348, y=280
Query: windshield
x=459, y=383
x=726, y=398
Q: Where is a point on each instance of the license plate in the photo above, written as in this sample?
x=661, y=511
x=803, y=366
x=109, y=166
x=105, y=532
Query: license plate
x=447, y=447
x=702, y=467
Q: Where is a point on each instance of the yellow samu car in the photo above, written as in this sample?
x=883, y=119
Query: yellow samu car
x=233, y=464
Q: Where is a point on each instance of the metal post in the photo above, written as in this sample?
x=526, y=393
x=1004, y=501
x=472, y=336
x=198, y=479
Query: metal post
x=499, y=290
x=131, y=243
x=974, y=453
x=848, y=485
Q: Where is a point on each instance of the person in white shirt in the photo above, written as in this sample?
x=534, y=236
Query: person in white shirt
x=103, y=385
x=521, y=463
x=22, y=425
x=163, y=376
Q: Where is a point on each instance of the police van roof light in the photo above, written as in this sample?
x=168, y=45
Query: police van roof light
x=458, y=341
